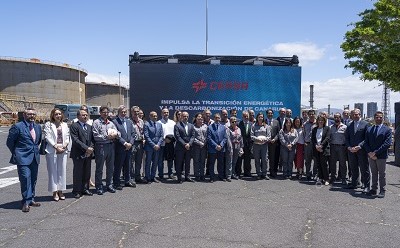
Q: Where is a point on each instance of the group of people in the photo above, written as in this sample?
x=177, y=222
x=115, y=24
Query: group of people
x=138, y=149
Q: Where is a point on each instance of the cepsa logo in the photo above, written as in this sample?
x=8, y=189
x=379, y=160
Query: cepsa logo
x=213, y=86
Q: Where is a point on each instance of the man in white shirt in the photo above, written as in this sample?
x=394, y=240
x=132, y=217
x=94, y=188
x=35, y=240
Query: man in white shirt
x=167, y=147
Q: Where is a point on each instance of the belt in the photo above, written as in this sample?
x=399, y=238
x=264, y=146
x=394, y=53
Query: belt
x=338, y=144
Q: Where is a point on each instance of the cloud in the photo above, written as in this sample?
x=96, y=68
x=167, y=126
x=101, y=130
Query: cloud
x=114, y=79
x=346, y=91
x=307, y=51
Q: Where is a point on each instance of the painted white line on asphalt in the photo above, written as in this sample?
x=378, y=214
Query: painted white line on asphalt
x=4, y=182
x=7, y=169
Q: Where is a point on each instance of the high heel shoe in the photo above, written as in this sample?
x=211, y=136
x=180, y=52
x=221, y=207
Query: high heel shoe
x=55, y=196
x=61, y=195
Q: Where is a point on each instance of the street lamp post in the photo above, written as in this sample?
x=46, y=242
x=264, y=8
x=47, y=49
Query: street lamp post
x=119, y=83
x=79, y=84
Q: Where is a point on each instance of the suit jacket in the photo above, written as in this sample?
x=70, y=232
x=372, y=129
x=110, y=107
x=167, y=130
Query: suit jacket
x=378, y=142
x=246, y=136
x=182, y=137
x=357, y=138
x=81, y=140
x=326, y=136
x=21, y=145
x=128, y=136
x=275, y=127
x=153, y=134
x=281, y=121
x=216, y=136
x=50, y=134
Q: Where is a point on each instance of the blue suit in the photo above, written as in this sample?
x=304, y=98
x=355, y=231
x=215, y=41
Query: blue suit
x=216, y=135
x=122, y=156
x=358, y=161
x=378, y=141
x=154, y=135
x=25, y=154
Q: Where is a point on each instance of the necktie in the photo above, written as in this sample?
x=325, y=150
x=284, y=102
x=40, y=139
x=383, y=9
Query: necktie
x=355, y=126
x=124, y=123
x=376, y=130
x=32, y=131
x=84, y=126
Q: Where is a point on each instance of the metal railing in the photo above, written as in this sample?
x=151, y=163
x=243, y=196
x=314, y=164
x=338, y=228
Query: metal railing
x=38, y=61
x=31, y=99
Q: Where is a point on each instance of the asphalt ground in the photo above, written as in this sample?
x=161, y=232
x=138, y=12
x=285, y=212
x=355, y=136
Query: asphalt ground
x=243, y=213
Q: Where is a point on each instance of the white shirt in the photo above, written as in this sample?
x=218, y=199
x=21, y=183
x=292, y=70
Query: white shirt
x=168, y=128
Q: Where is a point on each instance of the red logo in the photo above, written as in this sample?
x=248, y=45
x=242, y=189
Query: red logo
x=199, y=85
x=214, y=86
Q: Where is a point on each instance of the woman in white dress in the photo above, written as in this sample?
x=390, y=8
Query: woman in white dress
x=57, y=136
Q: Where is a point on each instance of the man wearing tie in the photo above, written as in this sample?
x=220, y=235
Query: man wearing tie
x=184, y=135
x=216, y=142
x=358, y=158
x=245, y=129
x=154, y=136
x=23, y=142
x=81, y=153
x=273, y=144
x=377, y=142
x=123, y=149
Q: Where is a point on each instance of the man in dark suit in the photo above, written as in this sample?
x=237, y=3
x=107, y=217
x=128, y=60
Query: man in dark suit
x=23, y=142
x=123, y=149
x=273, y=144
x=216, y=142
x=377, y=142
x=81, y=153
x=184, y=135
x=245, y=129
x=358, y=158
x=154, y=136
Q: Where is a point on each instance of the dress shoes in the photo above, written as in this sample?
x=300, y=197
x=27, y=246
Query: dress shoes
x=25, y=208
x=154, y=180
x=119, y=187
x=366, y=190
x=228, y=180
x=372, y=192
x=351, y=186
x=130, y=184
x=61, y=195
x=55, y=196
x=179, y=181
x=188, y=179
x=77, y=195
x=87, y=192
x=35, y=204
x=211, y=180
x=100, y=191
x=235, y=177
x=141, y=181
x=111, y=189
x=266, y=177
x=381, y=194
x=202, y=178
x=171, y=177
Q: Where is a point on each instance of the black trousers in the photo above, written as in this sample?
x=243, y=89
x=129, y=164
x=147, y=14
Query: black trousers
x=81, y=174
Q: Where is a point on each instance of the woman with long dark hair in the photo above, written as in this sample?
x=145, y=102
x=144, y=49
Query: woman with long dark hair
x=320, y=138
x=288, y=137
x=260, y=135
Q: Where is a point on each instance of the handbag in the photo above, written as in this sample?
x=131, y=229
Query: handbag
x=42, y=148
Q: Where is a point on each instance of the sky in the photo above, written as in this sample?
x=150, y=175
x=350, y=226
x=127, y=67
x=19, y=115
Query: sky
x=100, y=35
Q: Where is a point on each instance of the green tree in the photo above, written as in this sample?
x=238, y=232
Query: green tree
x=372, y=47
